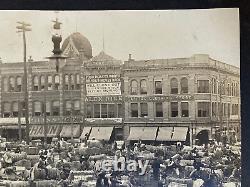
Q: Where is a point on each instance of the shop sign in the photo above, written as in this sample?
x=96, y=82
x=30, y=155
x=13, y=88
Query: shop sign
x=136, y=98
x=104, y=120
x=57, y=119
x=38, y=130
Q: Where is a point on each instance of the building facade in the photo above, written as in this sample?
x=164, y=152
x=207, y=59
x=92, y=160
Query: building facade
x=183, y=99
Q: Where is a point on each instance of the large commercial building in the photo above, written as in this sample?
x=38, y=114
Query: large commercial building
x=180, y=99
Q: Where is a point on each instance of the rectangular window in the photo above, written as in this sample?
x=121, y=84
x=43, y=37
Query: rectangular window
x=144, y=109
x=89, y=111
x=203, y=86
x=119, y=112
x=158, y=110
x=184, y=109
x=214, y=109
x=48, y=108
x=158, y=87
x=134, y=110
x=174, y=109
x=228, y=109
x=96, y=111
x=203, y=109
x=111, y=110
x=104, y=110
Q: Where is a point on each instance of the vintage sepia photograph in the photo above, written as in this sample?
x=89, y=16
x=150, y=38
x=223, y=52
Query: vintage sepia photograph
x=120, y=98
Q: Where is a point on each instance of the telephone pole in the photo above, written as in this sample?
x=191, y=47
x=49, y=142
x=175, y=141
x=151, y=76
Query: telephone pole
x=24, y=27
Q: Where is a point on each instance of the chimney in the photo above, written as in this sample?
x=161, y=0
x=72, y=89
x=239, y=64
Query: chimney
x=30, y=59
x=130, y=57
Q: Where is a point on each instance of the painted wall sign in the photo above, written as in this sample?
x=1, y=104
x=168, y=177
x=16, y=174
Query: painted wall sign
x=106, y=84
x=110, y=99
x=38, y=130
x=57, y=119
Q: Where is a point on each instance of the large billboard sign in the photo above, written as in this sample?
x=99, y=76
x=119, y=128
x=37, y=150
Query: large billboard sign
x=106, y=84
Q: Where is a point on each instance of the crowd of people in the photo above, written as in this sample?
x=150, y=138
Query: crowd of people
x=79, y=164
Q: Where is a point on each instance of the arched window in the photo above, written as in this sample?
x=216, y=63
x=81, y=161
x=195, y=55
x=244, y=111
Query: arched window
x=55, y=108
x=50, y=82
x=184, y=85
x=66, y=82
x=72, y=82
x=5, y=84
x=35, y=83
x=174, y=86
x=15, y=109
x=6, y=110
x=77, y=82
x=12, y=84
x=77, y=107
x=143, y=87
x=134, y=87
x=19, y=83
x=42, y=81
x=37, y=108
x=57, y=82
x=67, y=108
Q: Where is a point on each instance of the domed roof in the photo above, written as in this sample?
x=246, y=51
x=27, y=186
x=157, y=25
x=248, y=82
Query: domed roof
x=79, y=42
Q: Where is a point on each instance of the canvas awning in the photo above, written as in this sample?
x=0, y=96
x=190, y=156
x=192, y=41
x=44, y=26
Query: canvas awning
x=164, y=134
x=101, y=133
x=38, y=130
x=67, y=131
x=85, y=130
x=180, y=134
x=142, y=133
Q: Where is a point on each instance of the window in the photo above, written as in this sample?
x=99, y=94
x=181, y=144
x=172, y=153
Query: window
x=203, y=86
x=144, y=109
x=5, y=84
x=72, y=82
x=222, y=88
x=66, y=82
x=12, y=84
x=143, y=89
x=104, y=110
x=228, y=89
x=48, y=108
x=57, y=82
x=15, y=109
x=111, y=110
x=228, y=109
x=134, y=87
x=158, y=110
x=77, y=107
x=35, y=83
x=203, y=109
x=214, y=109
x=235, y=109
x=37, y=107
x=42, y=80
x=55, y=108
x=184, y=109
x=19, y=84
x=158, y=87
x=68, y=108
x=184, y=85
x=134, y=110
x=50, y=82
x=119, y=111
x=214, y=86
x=96, y=110
x=77, y=82
x=89, y=111
x=174, y=109
x=174, y=86
x=6, y=110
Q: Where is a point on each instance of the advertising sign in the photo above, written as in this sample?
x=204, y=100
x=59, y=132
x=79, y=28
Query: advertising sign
x=98, y=85
x=38, y=130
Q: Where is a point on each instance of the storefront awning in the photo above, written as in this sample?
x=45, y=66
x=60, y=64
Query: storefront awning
x=101, y=133
x=164, y=134
x=38, y=130
x=85, y=130
x=69, y=130
x=142, y=133
x=180, y=134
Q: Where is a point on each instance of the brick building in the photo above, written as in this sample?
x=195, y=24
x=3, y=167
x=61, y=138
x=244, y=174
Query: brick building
x=180, y=99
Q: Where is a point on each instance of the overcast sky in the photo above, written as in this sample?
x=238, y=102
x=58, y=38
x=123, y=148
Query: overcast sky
x=144, y=34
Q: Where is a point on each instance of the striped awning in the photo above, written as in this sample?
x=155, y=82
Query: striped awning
x=142, y=133
x=164, y=133
x=69, y=130
x=101, y=133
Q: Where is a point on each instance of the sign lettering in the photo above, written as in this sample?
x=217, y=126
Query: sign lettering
x=57, y=119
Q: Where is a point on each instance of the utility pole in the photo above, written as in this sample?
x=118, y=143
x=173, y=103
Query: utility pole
x=24, y=27
x=45, y=120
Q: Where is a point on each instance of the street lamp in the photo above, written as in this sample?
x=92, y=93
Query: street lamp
x=24, y=27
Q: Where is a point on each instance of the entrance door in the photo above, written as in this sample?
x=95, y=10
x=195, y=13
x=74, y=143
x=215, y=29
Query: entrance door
x=202, y=137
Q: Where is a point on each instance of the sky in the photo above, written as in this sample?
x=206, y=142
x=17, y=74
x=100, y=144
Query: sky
x=144, y=34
